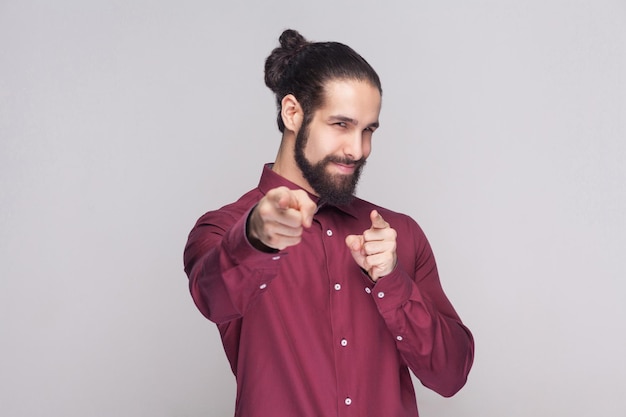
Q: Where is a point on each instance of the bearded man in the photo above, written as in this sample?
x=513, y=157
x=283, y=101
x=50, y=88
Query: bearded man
x=324, y=302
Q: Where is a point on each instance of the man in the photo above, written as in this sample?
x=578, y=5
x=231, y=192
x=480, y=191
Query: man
x=324, y=301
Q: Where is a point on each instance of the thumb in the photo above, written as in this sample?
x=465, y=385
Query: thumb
x=354, y=243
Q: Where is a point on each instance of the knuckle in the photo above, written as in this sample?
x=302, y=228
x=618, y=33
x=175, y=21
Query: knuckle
x=268, y=233
x=264, y=210
x=370, y=247
x=367, y=248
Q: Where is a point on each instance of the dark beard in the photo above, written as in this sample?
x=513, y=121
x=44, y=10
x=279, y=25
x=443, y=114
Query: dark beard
x=334, y=189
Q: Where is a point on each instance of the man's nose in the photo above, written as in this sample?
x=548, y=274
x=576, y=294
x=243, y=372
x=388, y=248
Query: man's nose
x=353, y=148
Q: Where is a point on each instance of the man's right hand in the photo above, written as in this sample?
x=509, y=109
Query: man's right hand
x=279, y=218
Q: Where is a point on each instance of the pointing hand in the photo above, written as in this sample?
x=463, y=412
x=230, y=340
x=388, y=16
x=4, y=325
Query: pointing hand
x=375, y=249
x=278, y=219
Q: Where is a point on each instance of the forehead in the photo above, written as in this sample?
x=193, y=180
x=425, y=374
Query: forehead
x=356, y=99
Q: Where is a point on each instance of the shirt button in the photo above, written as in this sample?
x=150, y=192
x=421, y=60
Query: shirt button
x=348, y=401
x=367, y=290
x=329, y=232
x=381, y=294
x=399, y=338
x=275, y=258
x=337, y=287
x=262, y=286
x=344, y=342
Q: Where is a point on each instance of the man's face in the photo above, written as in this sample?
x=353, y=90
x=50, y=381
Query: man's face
x=332, y=148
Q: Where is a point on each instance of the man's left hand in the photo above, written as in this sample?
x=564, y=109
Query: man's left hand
x=375, y=249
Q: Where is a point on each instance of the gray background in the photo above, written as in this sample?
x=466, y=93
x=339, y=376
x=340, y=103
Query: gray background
x=121, y=122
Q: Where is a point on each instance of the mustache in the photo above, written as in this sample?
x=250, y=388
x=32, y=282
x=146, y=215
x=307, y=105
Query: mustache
x=344, y=161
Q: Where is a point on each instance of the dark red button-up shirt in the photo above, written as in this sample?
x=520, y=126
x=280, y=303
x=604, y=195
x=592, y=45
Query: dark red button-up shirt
x=306, y=331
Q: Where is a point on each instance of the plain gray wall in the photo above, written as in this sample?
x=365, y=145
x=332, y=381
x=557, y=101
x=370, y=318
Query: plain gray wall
x=503, y=134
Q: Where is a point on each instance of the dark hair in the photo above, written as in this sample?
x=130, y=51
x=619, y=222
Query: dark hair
x=302, y=68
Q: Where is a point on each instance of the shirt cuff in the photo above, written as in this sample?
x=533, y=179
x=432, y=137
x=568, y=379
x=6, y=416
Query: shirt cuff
x=393, y=290
x=236, y=243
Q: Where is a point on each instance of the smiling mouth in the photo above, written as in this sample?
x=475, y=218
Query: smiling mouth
x=345, y=168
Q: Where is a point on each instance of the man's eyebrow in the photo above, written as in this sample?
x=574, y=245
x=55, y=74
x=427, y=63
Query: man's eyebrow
x=346, y=119
x=340, y=118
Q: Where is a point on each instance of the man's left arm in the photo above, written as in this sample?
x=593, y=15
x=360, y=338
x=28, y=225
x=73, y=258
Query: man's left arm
x=429, y=334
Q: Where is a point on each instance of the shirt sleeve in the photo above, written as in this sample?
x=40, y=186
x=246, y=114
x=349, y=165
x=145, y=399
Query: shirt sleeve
x=429, y=334
x=226, y=273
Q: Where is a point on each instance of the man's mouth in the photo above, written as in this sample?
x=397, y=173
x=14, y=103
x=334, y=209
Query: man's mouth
x=345, y=168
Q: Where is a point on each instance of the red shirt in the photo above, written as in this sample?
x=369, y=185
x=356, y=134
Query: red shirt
x=306, y=331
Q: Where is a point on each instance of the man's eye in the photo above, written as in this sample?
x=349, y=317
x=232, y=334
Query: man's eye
x=341, y=124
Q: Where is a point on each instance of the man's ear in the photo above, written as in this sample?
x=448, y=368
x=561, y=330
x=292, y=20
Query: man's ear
x=291, y=113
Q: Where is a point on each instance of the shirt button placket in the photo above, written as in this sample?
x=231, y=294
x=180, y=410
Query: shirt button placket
x=343, y=343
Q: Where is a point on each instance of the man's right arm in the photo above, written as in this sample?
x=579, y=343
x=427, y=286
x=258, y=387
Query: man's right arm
x=226, y=273
x=225, y=259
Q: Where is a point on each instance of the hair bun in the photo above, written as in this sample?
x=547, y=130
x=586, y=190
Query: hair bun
x=291, y=42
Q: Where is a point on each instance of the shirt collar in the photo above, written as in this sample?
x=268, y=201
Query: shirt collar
x=270, y=179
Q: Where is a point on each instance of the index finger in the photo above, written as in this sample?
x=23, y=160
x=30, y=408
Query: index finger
x=306, y=206
x=298, y=200
x=377, y=220
x=282, y=198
